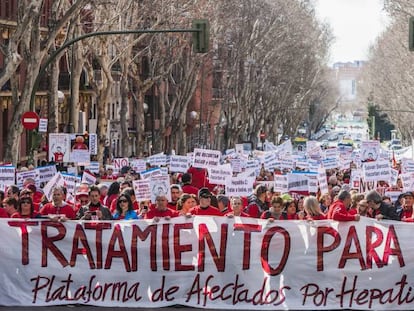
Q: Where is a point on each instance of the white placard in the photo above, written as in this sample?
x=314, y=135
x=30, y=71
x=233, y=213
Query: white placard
x=298, y=182
x=56, y=181
x=208, y=262
x=160, y=185
x=330, y=163
x=43, y=125
x=281, y=183
x=46, y=173
x=139, y=165
x=21, y=176
x=331, y=153
x=93, y=167
x=237, y=164
x=407, y=165
x=239, y=186
x=179, y=164
x=312, y=182
x=150, y=173
x=59, y=147
x=322, y=180
x=70, y=182
x=376, y=170
x=88, y=178
x=142, y=189
x=218, y=175
x=119, y=163
x=159, y=159
x=370, y=150
x=93, y=144
x=407, y=181
x=394, y=177
x=205, y=158
x=7, y=175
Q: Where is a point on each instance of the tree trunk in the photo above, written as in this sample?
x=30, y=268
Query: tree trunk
x=53, y=111
x=124, y=90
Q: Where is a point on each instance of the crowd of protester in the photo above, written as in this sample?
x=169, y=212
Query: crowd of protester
x=191, y=194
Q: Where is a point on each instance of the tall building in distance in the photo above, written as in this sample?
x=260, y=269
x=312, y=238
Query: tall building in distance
x=347, y=76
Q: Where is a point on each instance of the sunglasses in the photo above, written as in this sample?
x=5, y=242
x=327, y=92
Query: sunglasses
x=122, y=201
x=25, y=202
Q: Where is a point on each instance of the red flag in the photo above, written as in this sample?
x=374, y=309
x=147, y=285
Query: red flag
x=394, y=160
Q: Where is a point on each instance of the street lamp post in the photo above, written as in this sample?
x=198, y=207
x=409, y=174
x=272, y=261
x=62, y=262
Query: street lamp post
x=193, y=117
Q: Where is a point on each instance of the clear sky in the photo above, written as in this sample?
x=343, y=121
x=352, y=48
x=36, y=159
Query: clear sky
x=355, y=23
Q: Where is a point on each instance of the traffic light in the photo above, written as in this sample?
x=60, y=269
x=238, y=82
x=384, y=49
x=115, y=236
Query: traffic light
x=201, y=38
x=411, y=34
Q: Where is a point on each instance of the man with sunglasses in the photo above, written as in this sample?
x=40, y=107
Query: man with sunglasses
x=205, y=208
x=94, y=210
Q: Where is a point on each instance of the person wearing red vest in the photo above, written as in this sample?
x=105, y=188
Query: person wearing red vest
x=338, y=210
x=204, y=208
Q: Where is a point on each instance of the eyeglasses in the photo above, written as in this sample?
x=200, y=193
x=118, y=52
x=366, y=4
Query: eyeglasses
x=122, y=201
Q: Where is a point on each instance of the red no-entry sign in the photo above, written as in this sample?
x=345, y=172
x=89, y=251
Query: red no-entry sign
x=30, y=120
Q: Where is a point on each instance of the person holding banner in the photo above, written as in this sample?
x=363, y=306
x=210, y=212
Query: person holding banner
x=112, y=194
x=292, y=212
x=407, y=207
x=378, y=209
x=58, y=209
x=28, y=193
x=176, y=192
x=362, y=208
x=10, y=205
x=236, y=204
x=339, y=208
x=276, y=210
x=312, y=209
x=94, y=209
x=324, y=201
x=223, y=204
x=125, y=208
x=205, y=208
x=257, y=202
x=3, y=213
x=185, y=203
x=161, y=209
x=26, y=209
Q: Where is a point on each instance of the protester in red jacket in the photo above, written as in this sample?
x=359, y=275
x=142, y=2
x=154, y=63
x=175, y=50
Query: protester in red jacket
x=58, y=206
x=339, y=209
x=205, y=208
x=161, y=209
